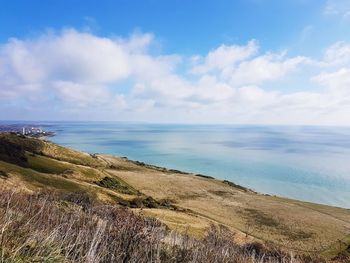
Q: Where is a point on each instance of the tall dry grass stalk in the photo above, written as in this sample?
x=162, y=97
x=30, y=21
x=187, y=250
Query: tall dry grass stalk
x=53, y=227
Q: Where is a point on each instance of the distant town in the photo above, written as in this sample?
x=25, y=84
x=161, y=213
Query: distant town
x=25, y=130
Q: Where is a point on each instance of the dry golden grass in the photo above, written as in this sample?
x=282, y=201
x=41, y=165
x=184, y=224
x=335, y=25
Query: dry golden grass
x=180, y=222
x=53, y=227
x=292, y=224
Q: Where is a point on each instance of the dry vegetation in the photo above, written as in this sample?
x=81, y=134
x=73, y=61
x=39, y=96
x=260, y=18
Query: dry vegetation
x=298, y=226
x=51, y=226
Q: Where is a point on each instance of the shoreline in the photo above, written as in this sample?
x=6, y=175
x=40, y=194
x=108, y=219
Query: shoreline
x=161, y=168
x=183, y=201
x=227, y=181
x=175, y=171
x=169, y=169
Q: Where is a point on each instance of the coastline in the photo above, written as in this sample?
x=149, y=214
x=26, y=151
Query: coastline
x=185, y=202
x=294, y=162
x=176, y=170
x=161, y=167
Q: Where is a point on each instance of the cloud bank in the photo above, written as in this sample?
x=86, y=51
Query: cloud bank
x=74, y=75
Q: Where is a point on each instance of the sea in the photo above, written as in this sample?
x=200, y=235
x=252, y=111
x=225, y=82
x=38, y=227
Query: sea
x=307, y=163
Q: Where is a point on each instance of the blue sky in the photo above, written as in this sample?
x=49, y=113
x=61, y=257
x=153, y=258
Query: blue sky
x=252, y=61
x=183, y=26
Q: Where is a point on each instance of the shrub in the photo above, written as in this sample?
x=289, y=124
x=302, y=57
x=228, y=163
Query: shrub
x=235, y=185
x=38, y=228
x=115, y=184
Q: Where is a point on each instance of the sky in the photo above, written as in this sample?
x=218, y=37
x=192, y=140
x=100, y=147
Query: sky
x=279, y=62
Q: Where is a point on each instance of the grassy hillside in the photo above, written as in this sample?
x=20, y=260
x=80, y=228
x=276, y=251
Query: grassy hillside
x=185, y=203
x=56, y=227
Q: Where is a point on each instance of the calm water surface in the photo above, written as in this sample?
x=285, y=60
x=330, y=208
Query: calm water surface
x=306, y=163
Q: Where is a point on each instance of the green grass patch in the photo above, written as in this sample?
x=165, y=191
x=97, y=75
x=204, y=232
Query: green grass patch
x=10, y=151
x=25, y=143
x=117, y=185
x=89, y=173
x=64, y=154
x=12, y=147
x=52, y=181
x=340, y=250
x=41, y=180
x=46, y=165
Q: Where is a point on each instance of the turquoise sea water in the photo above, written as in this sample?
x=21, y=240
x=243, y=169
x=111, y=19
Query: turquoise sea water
x=306, y=163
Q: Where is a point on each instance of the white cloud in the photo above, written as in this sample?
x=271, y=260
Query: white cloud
x=338, y=7
x=112, y=78
x=264, y=68
x=70, y=56
x=82, y=95
x=241, y=66
x=337, y=54
x=82, y=57
x=224, y=57
x=338, y=81
x=78, y=66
